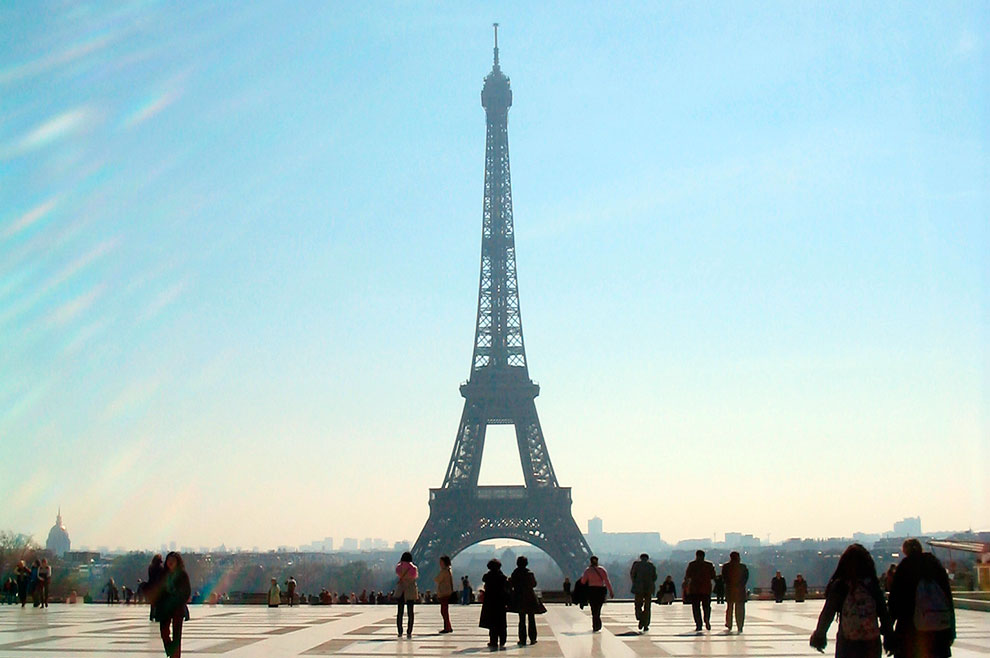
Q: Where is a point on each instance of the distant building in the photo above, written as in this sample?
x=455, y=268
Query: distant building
x=739, y=540
x=621, y=543
x=866, y=538
x=401, y=545
x=349, y=544
x=909, y=527
x=58, y=537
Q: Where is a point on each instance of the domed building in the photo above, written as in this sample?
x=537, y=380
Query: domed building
x=58, y=538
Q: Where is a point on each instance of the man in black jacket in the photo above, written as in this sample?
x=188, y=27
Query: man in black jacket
x=644, y=582
x=920, y=603
x=698, y=579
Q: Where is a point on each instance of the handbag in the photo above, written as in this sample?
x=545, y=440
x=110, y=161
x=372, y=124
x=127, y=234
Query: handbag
x=579, y=595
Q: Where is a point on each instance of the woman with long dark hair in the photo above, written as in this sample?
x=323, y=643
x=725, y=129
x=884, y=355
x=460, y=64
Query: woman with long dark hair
x=405, y=591
x=854, y=594
x=171, y=607
x=524, y=599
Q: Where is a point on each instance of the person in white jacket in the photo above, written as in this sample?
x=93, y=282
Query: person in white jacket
x=274, y=594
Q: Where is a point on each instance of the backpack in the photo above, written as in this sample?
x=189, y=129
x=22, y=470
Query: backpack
x=858, y=619
x=932, y=610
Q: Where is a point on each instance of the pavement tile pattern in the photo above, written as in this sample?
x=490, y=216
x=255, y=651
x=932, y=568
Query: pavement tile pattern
x=777, y=630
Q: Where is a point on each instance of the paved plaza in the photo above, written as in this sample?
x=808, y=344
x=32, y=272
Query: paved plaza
x=256, y=631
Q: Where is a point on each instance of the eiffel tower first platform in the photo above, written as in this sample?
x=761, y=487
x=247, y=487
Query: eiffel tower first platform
x=499, y=391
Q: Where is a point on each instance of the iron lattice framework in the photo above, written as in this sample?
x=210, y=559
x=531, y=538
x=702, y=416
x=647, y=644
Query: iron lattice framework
x=499, y=391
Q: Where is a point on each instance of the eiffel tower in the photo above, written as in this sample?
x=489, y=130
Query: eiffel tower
x=499, y=391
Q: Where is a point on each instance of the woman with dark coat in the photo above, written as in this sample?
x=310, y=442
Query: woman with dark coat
x=494, y=604
x=152, y=588
x=858, y=637
x=23, y=575
x=171, y=607
x=524, y=599
x=667, y=592
x=909, y=641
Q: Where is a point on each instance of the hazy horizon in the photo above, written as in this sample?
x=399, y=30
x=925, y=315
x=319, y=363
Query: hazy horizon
x=239, y=264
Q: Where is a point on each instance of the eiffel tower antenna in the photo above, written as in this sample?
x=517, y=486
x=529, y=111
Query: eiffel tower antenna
x=499, y=391
x=495, y=25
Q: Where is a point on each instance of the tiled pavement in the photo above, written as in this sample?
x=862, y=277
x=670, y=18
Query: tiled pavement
x=357, y=631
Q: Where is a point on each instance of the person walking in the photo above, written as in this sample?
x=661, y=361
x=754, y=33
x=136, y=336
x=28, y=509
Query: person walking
x=779, y=587
x=152, y=589
x=644, y=581
x=735, y=574
x=111, y=588
x=406, y=593
x=44, y=581
x=172, y=604
x=596, y=578
x=466, y=591
x=34, y=584
x=667, y=592
x=698, y=586
x=719, y=589
x=445, y=591
x=800, y=589
x=274, y=594
x=524, y=599
x=921, y=606
x=854, y=594
x=290, y=590
x=567, y=591
x=493, y=604
x=23, y=576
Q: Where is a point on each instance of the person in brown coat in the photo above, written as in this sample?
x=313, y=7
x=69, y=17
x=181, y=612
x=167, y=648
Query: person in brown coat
x=735, y=574
x=800, y=589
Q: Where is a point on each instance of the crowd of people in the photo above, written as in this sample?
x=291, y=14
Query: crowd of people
x=28, y=582
x=906, y=611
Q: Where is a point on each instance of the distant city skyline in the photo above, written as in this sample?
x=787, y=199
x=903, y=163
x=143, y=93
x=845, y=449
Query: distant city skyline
x=595, y=531
x=239, y=255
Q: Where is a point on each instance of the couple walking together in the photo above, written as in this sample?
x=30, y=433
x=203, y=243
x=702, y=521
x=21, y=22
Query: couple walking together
x=698, y=581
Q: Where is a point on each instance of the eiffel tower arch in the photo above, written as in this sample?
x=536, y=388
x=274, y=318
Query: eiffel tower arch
x=499, y=391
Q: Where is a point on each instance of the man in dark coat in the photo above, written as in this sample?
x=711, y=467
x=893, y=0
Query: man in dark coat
x=735, y=574
x=524, y=599
x=644, y=582
x=778, y=585
x=698, y=586
x=907, y=591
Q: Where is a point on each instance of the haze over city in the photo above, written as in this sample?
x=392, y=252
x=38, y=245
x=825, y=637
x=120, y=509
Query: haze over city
x=239, y=265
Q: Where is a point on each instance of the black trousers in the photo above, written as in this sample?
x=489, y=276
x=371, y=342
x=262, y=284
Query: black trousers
x=523, y=618
x=398, y=616
x=596, y=599
x=497, y=636
x=698, y=603
x=173, y=644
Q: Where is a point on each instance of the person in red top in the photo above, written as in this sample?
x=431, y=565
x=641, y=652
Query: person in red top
x=596, y=578
x=699, y=577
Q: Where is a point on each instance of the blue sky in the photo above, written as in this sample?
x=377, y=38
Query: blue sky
x=239, y=256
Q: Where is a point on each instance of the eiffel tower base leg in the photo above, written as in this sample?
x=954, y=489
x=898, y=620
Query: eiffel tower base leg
x=460, y=518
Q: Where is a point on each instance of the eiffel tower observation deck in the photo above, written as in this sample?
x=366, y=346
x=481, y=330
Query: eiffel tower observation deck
x=499, y=391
